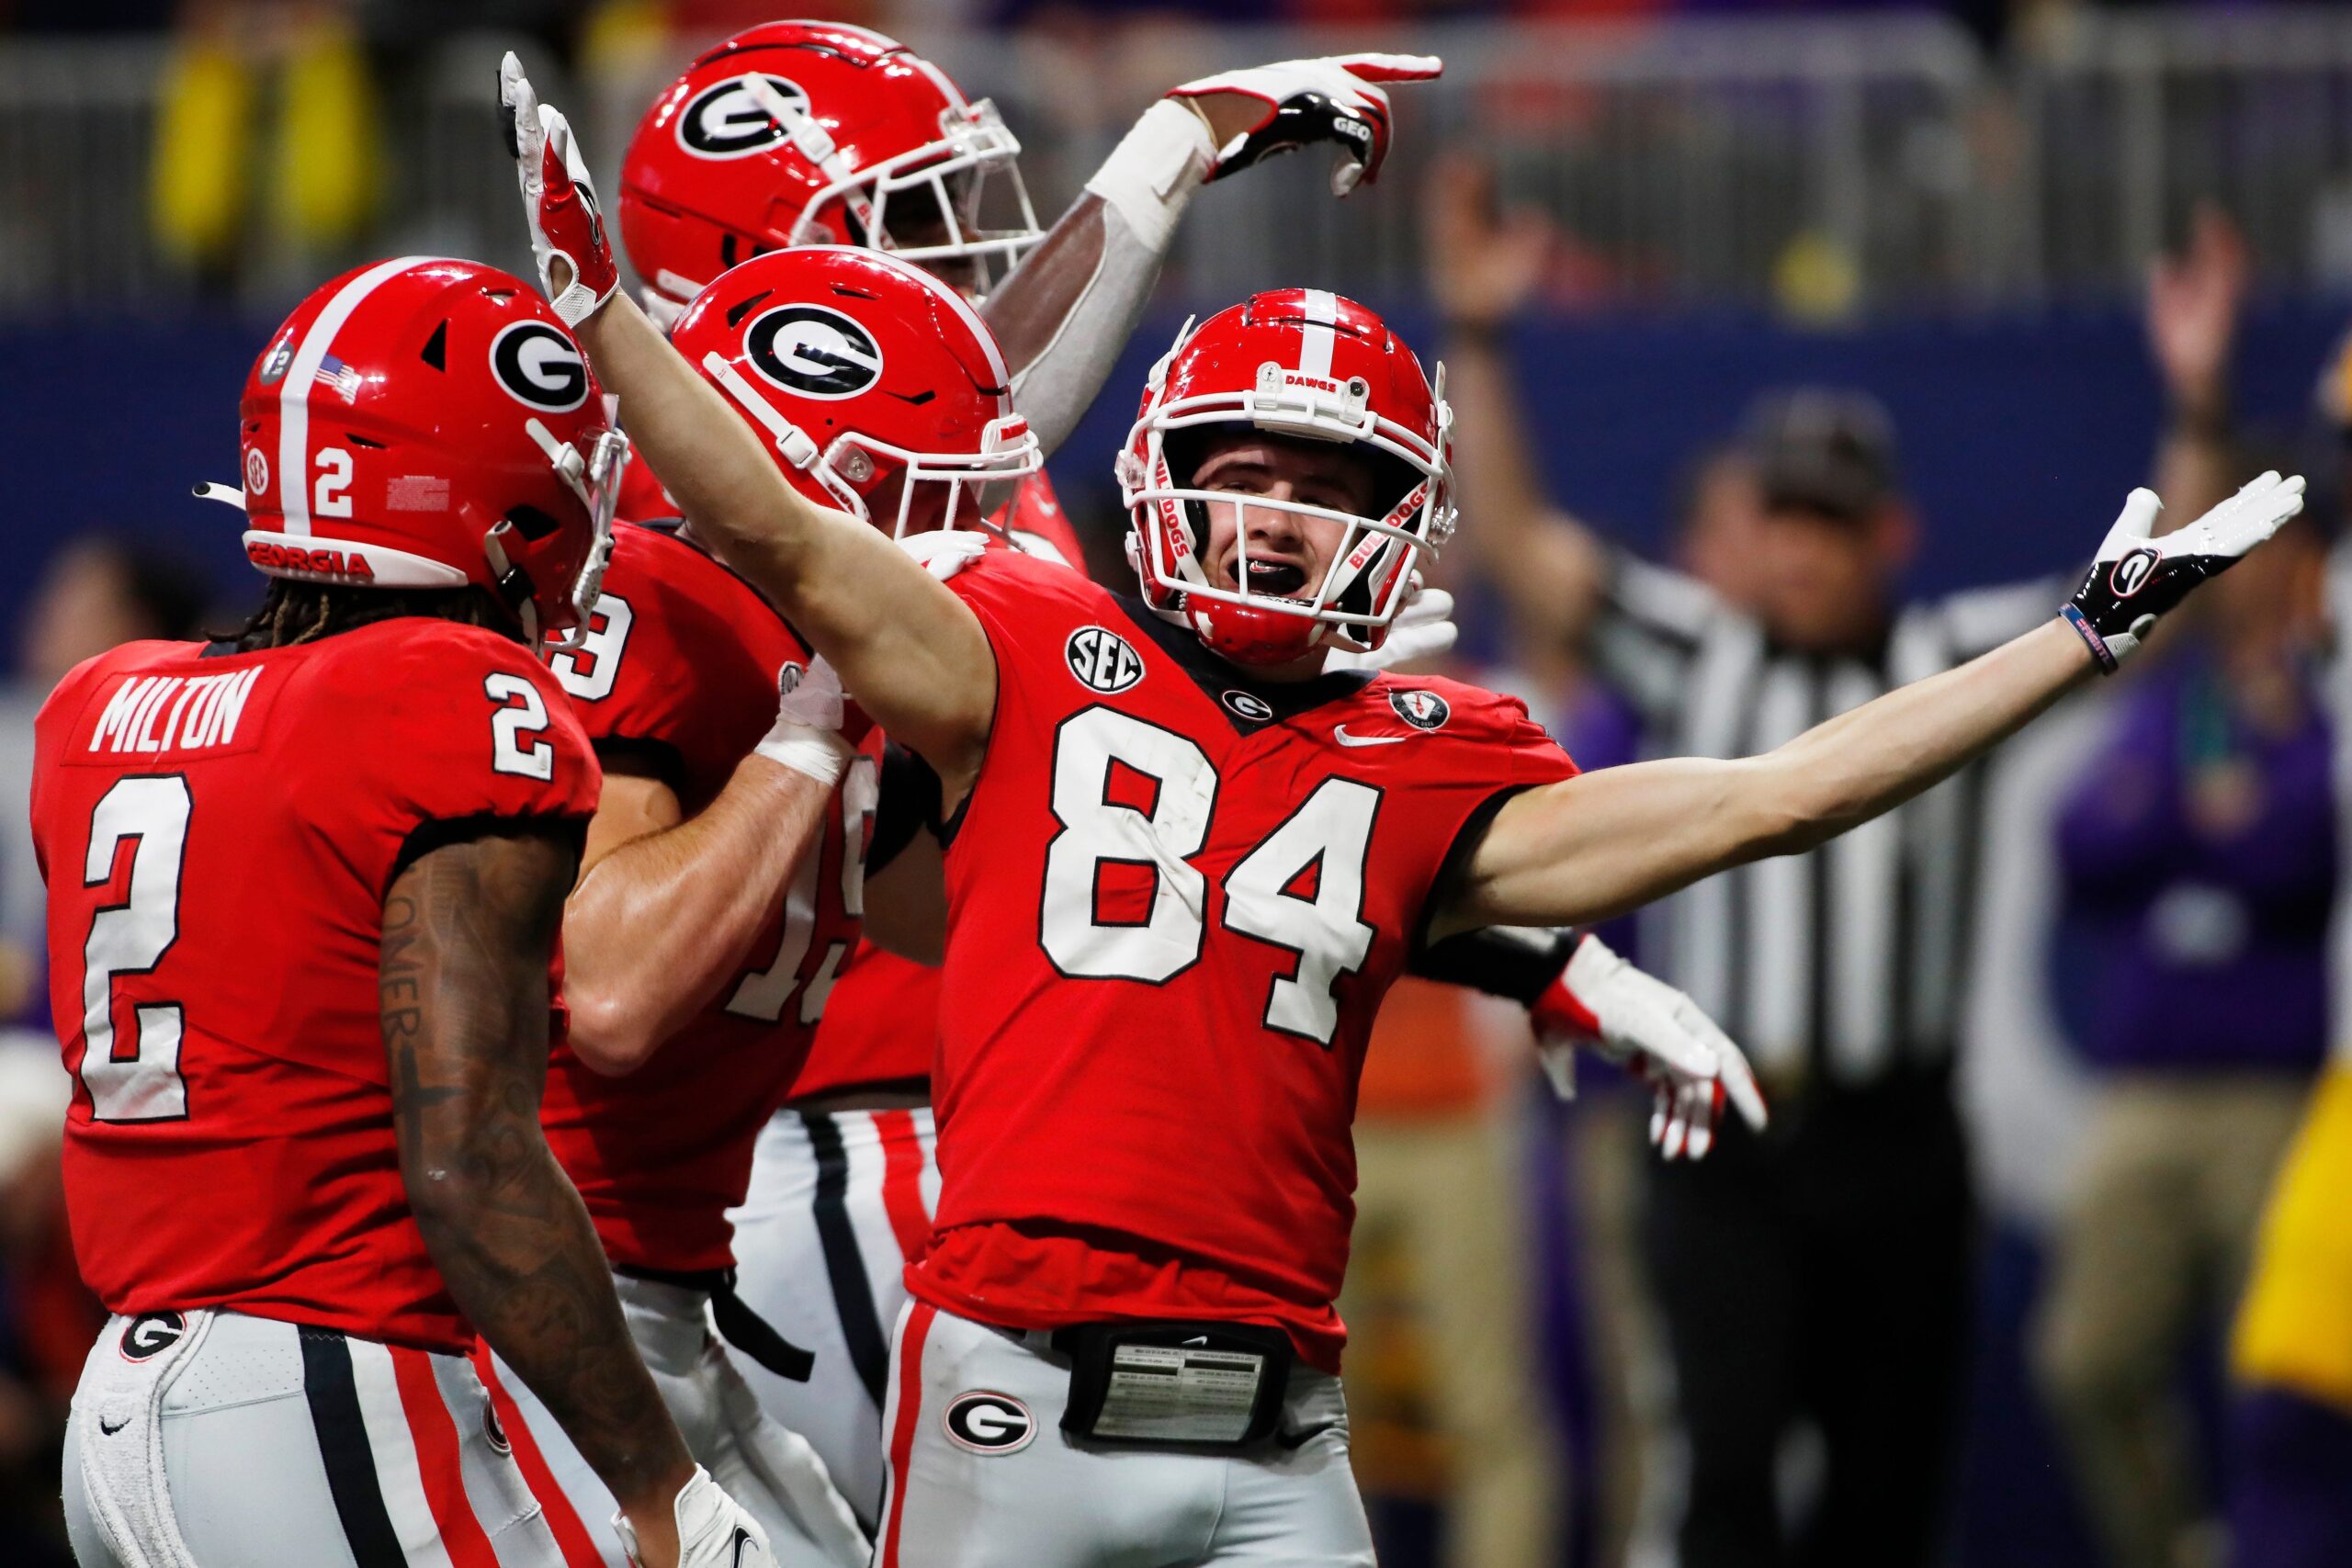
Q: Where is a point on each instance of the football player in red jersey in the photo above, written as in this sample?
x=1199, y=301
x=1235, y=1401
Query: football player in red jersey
x=304, y=892
x=1185, y=862
x=724, y=872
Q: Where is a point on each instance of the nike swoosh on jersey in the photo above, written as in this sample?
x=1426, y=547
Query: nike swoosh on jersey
x=742, y=1539
x=1339, y=733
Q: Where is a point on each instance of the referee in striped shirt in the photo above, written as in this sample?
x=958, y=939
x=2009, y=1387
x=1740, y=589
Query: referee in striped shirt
x=1820, y=1271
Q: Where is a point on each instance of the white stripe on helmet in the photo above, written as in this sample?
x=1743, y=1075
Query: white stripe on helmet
x=302, y=378
x=1322, y=311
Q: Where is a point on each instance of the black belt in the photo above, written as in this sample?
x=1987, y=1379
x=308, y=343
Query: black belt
x=738, y=1323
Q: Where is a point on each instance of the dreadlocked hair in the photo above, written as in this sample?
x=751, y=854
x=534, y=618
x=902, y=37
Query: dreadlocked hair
x=293, y=613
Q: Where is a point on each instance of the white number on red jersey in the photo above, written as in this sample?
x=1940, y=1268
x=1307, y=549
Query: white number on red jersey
x=763, y=993
x=143, y=1083
x=1331, y=836
x=589, y=670
x=521, y=712
x=1325, y=843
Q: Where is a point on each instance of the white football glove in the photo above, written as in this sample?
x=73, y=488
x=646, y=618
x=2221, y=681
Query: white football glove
x=817, y=730
x=1335, y=100
x=943, y=552
x=1423, y=629
x=713, y=1529
x=2137, y=577
x=1655, y=1033
x=559, y=202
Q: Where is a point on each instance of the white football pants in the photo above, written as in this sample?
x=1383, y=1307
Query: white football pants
x=839, y=1201
x=982, y=1477
x=214, y=1439
x=777, y=1477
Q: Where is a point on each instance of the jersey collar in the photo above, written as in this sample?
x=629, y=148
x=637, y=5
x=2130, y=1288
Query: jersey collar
x=1248, y=705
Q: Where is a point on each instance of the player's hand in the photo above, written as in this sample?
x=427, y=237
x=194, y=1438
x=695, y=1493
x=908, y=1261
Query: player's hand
x=559, y=202
x=943, y=552
x=1658, y=1034
x=1423, y=629
x=816, y=728
x=1256, y=114
x=2194, y=300
x=713, y=1530
x=2137, y=577
x=1484, y=263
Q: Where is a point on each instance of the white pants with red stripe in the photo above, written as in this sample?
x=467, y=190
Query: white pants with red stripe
x=838, y=1202
x=769, y=1471
x=981, y=1475
x=214, y=1439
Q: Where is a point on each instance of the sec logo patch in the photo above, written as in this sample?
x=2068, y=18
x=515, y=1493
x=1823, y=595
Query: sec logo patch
x=987, y=1423
x=1102, y=661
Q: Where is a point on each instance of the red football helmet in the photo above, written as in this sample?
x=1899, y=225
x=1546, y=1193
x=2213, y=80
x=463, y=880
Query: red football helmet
x=863, y=372
x=424, y=423
x=796, y=133
x=1300, y=364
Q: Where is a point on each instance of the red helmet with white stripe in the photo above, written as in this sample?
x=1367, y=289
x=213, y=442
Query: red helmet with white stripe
x=795, y=133
x=1299, y=364
x=426, y=423
x=878, y=387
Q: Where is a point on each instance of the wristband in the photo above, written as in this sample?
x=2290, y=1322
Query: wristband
x=819, y=755
x=2089, y=633
x=1151, y=175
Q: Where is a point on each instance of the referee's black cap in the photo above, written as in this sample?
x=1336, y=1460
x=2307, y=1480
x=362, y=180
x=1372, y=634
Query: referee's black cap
x=1825, y=449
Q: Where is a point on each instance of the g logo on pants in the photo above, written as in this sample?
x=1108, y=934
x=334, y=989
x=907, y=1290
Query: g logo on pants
x=987, y=1423
x=151, y=1332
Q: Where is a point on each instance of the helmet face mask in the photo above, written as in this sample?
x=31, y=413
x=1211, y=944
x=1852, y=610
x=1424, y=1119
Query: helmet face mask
x=1267, y=367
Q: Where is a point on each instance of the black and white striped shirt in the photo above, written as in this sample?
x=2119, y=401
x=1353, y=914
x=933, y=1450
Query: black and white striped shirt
x=1847, y=963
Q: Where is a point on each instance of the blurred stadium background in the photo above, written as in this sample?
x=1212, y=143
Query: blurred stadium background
x=1954, y=207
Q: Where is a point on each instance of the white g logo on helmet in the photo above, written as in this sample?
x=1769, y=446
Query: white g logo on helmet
x=539, y=366
x=816, y=351
x=726, y=121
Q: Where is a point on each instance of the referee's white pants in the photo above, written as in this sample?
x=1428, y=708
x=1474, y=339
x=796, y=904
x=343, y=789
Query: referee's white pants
x=772, y=1472
x=1000, y=1486
x=216, y=1439
x=838, y=1202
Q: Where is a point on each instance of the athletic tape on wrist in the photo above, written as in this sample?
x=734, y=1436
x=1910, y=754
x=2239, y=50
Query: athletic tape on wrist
x=1153, y=171
x=819, y=755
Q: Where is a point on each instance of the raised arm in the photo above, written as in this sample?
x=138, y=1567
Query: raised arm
x=907, y=648
x=1483, y=267
x=469, y=930
x=1068, y=310
x=1601, y=843
x=2194, y=301
x=651, y=936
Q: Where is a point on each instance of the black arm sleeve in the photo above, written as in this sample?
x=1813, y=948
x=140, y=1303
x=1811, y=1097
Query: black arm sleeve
x=907, y=804
x=1519, y=962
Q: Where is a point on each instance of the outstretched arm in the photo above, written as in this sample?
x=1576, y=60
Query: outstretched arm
x=469, y=930
x=1599, y=844
x=1068, y=310
x=907, y=648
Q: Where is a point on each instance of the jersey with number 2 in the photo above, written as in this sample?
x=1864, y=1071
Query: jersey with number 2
x=218, y=834
x=1176, y=898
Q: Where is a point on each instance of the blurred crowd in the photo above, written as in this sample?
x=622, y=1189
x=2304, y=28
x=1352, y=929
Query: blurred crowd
x=1565, y=1352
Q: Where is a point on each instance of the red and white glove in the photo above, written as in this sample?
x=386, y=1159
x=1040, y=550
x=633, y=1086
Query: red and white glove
x=1335, y=100
x=559, y=202
x=1653, y=1032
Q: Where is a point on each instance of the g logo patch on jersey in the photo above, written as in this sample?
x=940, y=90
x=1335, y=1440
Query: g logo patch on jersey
x=1102, y=661
x=151, y=1332
x=539, y=366
x=726, y=121
x=2131, y=574
x=1420, y=708
x=813, y=350
x=1249, y=706
x=985, y=1422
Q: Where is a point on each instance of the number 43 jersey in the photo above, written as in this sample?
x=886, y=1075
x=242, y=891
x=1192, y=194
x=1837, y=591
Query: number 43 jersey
x=218, y=834
x=1176, y=898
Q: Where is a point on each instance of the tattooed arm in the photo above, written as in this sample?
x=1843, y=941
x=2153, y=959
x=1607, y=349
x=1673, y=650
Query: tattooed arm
x=468, y=932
